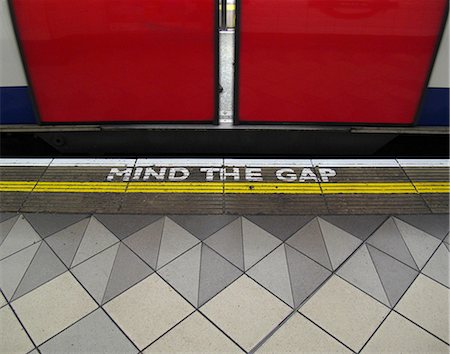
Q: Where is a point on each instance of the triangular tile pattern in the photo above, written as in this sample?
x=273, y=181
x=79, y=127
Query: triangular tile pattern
x=420, y=244
x=48, y=224
x=389, y=240
x=438, y=266
x=145, y=242
x=6, y=216
x=14, y=267
x=395, y=276
x=65, y=243
x=324, y=242
x=44, y=267
x=361, y=226
x=289, y=275
x=96, y=238
x=20, y=236
x=203, y=226
x=360, y=271
x=174, y=241
x=123, y=225
x=199, y=274
x=280, y=226
x=436, y=225
x=111, y=272
x=6, y=226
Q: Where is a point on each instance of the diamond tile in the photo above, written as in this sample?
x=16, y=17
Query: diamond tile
x=361, y=226
x=245, y=320
x=6, y=216
x=437, y=267
x=48, y=224
x=61, y=302
x=427, y=303
x=94, y=333
x=398, y=335
x=345, y=312
x=147, y=310
x=3, y=300
x=13, y=337
x=297, y=334
x=123, y=225
x=20, y=236
x=282, y=227
x=203, y=226
x=6, y=226
x=194, y=335
x=435, y=225
x=44, y=267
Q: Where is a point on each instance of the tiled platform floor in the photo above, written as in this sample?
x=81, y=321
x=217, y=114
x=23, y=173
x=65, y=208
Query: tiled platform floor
x=131, y=283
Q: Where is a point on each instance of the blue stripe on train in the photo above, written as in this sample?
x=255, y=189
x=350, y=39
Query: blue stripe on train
x=435, y=108
x=15, y=106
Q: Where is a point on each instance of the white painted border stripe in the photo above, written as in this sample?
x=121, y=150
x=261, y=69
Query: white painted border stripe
x=424, y=162
x=356, y=163
x=175, y=162
x=24, y=162
x=93, y=162
x=268, y=163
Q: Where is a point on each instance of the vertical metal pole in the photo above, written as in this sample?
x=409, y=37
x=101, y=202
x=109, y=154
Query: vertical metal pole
x=223, y=22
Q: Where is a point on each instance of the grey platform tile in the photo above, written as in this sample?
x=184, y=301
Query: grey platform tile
x=281, y=226
x=437, y=267
x=44, y=267
x=6, y=226
x=146, y=242
x=388, y=239
x=446, y=239
x=65, y=243
x=94, y=333
x=183, y=273
x=394, y=275
x=272, y=272
x=203, y=226
x=305, y=275
x=228, y=243
x=34, y=351
x=96, y=238
x=14, y=267
x=20, y=236
x=420, y=244
x=47, y=224
x=360, y=271
x=94, y=273
x=6, y=216
x=257, y=243
x=340, y=244
x=128, y=269
x=435, y=225
x=124, y=225
x=216, y=273
x=361, y=226
x=175, y=240
x=309, y=240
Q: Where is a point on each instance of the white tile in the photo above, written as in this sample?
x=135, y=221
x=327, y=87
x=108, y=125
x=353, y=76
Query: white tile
x=299, y=333
x=427, y=303
x=24, y=162
x=346, y=312
x=93, y=162
x=423, y=162
x=194, y=335
x=147, y=310
x=355, y=163
x=398, y=335
x=53, y=307
x=246, y=312
x=268, y=162
x=13, y=338
x=179, y=162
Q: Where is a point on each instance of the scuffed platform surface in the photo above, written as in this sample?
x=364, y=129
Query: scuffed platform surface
x=212, y=283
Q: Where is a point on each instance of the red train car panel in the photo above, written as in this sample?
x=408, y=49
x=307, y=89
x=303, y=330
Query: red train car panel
x=121, y=60
x=339, y=61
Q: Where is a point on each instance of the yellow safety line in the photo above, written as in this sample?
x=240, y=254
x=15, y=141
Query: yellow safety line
x=227, y=187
